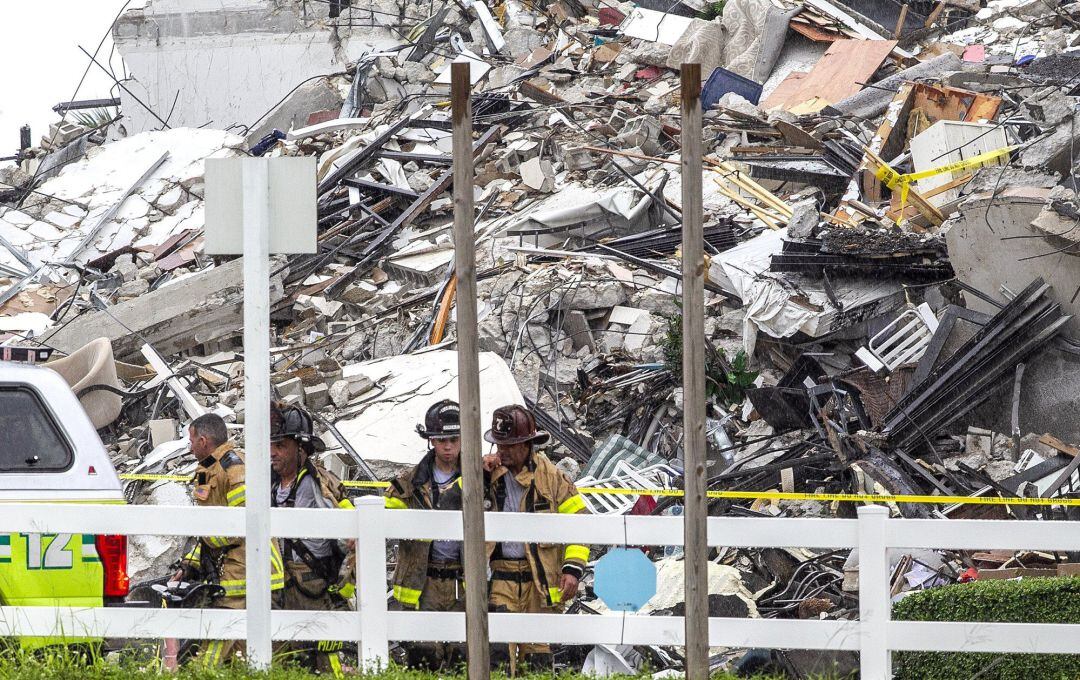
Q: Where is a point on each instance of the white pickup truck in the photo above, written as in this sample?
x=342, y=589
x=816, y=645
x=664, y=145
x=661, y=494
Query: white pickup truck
x=51, y=453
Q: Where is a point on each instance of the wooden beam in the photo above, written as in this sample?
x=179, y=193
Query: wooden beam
x=696, y=511
x=900, y=21
x=1058, y=445
x=474, y=549
x=934, y=14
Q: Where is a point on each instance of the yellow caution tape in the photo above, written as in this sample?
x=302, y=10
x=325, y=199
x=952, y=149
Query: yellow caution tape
x=746, y=495
x=893, y=179
x=187, y=478
x=843, y=497
x=156, y=478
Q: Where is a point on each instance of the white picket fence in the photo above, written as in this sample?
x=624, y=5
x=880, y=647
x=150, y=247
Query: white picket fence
x=874, y=635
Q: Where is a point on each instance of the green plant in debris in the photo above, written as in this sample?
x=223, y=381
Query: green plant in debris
x=713, y=10
x=726, y=381
x=1037, y=600
x=738, y=378
x=92, y=118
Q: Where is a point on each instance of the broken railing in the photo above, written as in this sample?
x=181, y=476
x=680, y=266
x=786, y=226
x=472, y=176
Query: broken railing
x=873, y=635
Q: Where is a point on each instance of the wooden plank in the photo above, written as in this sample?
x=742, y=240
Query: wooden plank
x=894, y=200
x=1058, y=445
x=797, y=136
x=934, y=14
x=814, y=33
x=950, y=103
x=900, y=22
x=786, y=91
x=836, y=75
x=929, y=211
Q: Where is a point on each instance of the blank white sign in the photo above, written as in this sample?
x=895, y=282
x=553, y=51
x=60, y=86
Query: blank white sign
x=292, y=196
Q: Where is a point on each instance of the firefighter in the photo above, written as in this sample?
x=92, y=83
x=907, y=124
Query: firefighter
x=529, y=577
x=219, y=481
x=317, y=570
x=429, y=574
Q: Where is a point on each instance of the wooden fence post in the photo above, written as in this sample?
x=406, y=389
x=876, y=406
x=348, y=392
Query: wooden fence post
x=693, y=362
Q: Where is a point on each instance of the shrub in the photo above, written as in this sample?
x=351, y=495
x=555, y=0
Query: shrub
x=1038, y=600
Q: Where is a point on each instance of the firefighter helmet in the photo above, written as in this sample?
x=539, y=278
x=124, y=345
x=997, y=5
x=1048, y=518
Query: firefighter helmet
x=295, y=422
x=442, y=421
x=514, y=424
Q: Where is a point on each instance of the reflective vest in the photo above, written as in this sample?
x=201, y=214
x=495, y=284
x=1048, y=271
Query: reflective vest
x=219, y=482
x=413, y=490
x=548, y=490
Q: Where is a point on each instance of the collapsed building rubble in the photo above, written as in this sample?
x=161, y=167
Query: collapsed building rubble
x=891, y=297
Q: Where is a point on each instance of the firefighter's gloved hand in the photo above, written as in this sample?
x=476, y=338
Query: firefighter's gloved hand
x=568, y=585
x=187, y=572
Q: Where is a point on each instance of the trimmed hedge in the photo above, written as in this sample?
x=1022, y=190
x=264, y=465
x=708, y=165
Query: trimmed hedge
x=1037, y=600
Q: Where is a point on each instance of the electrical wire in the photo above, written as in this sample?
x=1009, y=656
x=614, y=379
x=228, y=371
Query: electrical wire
x=74, y=96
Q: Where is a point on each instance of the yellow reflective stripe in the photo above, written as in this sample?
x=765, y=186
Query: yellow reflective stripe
x=276, y=562
x=555, y=594
x=407, y=596
x=237, y=496
x=217, y=541
x=393, y=503
x=234, y=588
x=572, y=505
x=194, y=555
x=347, y=591
x=576, y=552
x=212, y=655
x=346, y=504
x=335, y=664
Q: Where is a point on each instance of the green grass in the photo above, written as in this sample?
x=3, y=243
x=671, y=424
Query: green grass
x=66, y=664
x=15, y=665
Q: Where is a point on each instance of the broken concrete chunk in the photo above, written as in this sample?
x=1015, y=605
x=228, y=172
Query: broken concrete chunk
x=134, y=288
x=642, y=132
x=317, y=397
x=804, y=219
x=340, y=393
x=162, y=430
x=291, y=387
x=538, y=174
x=125, y=266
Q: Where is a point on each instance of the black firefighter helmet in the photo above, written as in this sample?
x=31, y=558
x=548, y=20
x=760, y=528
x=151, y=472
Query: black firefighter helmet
x=295, y=422
x=442, y=420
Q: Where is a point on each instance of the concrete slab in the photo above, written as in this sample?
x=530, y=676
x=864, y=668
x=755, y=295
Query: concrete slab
x=406, y=386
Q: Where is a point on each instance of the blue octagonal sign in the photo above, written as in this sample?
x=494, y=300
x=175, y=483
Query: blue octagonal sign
x=625, y=579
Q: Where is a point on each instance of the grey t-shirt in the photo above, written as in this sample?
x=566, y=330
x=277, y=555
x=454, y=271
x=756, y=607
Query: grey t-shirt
x=445, y=551
x=514, y=493
x=307, y=496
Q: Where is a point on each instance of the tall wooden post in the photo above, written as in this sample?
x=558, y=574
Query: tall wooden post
x=693, y=333
x=475, y=553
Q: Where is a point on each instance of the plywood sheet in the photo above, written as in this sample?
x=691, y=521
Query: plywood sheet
x=835, y=76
